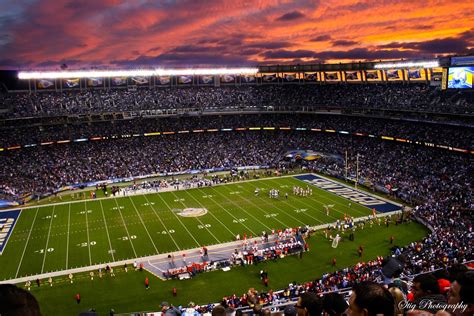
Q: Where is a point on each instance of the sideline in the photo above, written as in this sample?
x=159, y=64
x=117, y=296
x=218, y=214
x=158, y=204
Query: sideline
x=168, y=189
x=219, y=248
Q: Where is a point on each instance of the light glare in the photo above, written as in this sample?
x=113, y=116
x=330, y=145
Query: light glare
x=135, y=73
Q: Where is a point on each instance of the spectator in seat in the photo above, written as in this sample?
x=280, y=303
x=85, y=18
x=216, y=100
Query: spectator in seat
x=16, y=301
x=426, y=293
x=309, y=305
x=370, y=299
x=334, y=304
x=462, y=292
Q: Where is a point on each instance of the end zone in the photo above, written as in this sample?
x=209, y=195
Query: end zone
x=8, y=220
x=363, y=198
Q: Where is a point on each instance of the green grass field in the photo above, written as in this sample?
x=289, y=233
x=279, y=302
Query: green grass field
x=126, y=292
x=69, y=235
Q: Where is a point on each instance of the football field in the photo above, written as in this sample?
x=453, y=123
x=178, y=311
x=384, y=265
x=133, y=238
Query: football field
x=84, y=233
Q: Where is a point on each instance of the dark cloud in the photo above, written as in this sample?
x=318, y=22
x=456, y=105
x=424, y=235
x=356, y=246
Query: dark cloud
x=366, y=54
x=153, y=49
x=344, y=43
x=356, y=7
x=321, y=38
x=453, y=45
x=424, y=27
x=46, y=32
x=58, y=63
x=439, y=46
x=286, y=54
x=249, y=51
x=269, y=45
x=231, y=41
x=468, y=35
x=209, y=41
x=352, y=54
x=294, y=15
x=184, y=60
x=195, y=48
x=9, y=63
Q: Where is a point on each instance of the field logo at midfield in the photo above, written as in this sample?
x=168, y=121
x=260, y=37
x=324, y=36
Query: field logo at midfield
x=7, y=223
x=366, y=199
x=192, y=212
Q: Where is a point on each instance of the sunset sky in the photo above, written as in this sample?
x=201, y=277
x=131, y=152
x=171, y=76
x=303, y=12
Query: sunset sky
x=119, y=33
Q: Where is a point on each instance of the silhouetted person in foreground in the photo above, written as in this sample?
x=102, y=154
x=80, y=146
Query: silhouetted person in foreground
x=16, y=301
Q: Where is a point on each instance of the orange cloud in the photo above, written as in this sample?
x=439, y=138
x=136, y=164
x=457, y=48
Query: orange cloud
x=119, y=32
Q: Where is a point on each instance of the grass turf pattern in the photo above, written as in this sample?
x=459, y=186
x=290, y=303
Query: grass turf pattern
x=126, y=292
x=64, y=236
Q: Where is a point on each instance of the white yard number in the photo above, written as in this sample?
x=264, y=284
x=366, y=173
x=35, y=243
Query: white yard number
x=179, y=200
x=84, y=244
x=239, y=220
x=84, y=212
x=207, y=196
x=118, y=208
x=171, y=231
x=271, y=215
x=49, y=216
x=235, y=192
x=204, y=226
x=148, y=204
x=131, y=237
x=301, y=210
x=42, y=250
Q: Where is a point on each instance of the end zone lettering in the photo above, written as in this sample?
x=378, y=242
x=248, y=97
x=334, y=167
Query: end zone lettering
x=7, y=223
x=344, y=191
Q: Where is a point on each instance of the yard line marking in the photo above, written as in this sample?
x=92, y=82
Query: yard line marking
x=88, y=239
x=125, y=225
x=250, y=214
x=167, y=232
x=107, y=230
x=317, y=199
x=308, y=205
x=241, y=196
x=182, y=224
x=26, y=245
x=273, y=205
x=68, y=229
x=47, y=240
x=337, y=197
x=336, y=200
x=141, y=220
x=217, y=204
x=209, y=212
x=199, y=220
x=103, y=198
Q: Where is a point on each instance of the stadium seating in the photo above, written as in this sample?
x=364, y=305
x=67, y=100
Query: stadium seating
x=438, y=181
x=355, y=97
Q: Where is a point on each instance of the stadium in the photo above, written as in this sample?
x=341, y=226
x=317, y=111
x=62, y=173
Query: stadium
x=309, y=188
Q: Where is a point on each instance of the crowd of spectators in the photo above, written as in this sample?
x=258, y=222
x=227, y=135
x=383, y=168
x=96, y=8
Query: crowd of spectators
x=438, y=182
x=413, y=97
x=44, y=169
x=448, y=135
